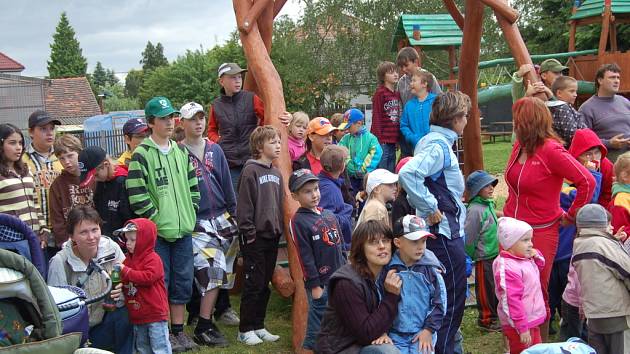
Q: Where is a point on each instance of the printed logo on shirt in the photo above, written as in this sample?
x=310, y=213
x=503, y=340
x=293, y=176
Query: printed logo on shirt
x=113, y=205
x=268, y=179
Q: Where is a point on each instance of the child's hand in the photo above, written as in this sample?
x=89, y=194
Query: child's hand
x=393, y=283
x=317, y=292
x=383, y=339
x=621, y=234
x=116, y=292
x=526, y=338
x=425, y=341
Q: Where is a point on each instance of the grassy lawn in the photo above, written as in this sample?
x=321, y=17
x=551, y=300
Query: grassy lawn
x=279, y=311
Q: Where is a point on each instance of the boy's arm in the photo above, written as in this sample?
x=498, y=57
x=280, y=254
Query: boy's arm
x=246, y=207
x=193, y=183
x=213, y=128
x=371, y=161
x=377, y=114
x=139, y=199
x=424, y=164
x=405, y=126
x=305, y=253
x=152, y=272
x=434, y=318
x=472, y=229
x=259, y=110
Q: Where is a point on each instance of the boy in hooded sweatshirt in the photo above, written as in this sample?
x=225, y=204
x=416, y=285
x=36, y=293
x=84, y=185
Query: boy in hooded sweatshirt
x=364, y=148
x=423, y=293
x=142, y=275
x=110, y=196
x=162, y=187
x=260, y=216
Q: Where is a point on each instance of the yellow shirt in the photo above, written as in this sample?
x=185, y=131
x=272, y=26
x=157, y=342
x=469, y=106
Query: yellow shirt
x=125, y=158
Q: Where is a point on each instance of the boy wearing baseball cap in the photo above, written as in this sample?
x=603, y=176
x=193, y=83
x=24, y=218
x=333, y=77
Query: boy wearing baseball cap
x=134, y=131
x=320, y=248
x=110, y=195
x=482, y=244
x=233, y=117
x=365, y=150
x=162, y=187
x=423, y=293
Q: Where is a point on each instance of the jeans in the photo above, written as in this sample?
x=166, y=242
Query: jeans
x=316, y=309
x=388, y=160
x=177, y=259
x=235, y=174
x=114, y=333
x=380, y=349
x=404, y=342
x=152, y=338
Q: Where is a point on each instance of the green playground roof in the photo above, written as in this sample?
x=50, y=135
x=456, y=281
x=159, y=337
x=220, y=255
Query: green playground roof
x=436, y=31
x=594, y=8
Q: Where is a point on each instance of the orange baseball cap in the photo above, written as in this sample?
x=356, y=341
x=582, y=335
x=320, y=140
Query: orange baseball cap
x=319, y=126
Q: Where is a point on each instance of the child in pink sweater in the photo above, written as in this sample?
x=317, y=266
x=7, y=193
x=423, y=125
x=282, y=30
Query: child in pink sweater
x=297, y=135
x=517, y=284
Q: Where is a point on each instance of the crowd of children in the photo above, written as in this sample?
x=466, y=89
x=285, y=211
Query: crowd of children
x=181, y=211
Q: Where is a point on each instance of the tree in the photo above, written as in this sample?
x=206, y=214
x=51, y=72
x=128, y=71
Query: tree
x=99, y=77
x=116, y=100
x=153, y=57
x=66, y=58
x=111, y=77
x=133, y=82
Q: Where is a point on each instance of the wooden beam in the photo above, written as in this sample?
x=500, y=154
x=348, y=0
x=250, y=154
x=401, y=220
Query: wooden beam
x=603, y=37
x=572, y=32
x=613, y=34
x=457, y=16
x=277, y=7
x=469, y=59
x=452, y=61
x=502, y=8
x=246, y=23
x=270, y=85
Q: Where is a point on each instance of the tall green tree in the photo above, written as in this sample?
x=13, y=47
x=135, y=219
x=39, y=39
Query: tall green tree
x=133, y=82
x=66, y=58
x=111, y=78
x=99, y=76
x=153, y=57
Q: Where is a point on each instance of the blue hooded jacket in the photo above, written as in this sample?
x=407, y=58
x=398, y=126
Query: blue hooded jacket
x=414, y=123
x=332, y=200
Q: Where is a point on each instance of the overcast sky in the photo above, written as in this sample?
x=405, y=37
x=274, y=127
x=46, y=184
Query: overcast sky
x=115, y=32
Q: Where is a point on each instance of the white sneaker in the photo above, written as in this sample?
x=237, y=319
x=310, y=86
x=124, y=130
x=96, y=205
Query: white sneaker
x=249, y=338
x=266, y=336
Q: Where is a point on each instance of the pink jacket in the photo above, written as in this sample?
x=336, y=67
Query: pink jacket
x=534, y=190
x=297, y=147
x=571, y=293
x=517, y=285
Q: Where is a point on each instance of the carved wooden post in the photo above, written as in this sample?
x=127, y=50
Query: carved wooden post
x=468, y=69
x=270, y=90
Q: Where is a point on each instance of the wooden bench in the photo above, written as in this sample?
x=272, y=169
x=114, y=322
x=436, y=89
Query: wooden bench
x=492, y=136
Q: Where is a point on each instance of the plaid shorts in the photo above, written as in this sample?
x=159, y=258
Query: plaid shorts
x=213, y=256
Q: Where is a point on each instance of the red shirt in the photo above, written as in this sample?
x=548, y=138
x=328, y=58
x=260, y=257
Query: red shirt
x=386, y=112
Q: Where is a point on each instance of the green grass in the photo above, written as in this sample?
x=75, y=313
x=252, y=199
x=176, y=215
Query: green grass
x=495, y=156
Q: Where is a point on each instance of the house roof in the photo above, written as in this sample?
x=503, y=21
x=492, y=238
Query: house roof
x=8, y=64
x=436, y=31
x=70, y=100
x=595, y=8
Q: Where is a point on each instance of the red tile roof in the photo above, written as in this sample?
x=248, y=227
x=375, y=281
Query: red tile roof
x=9, y=65
x=70, y=100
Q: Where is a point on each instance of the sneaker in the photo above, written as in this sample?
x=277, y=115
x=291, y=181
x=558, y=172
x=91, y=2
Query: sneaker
x=493, y=327
x=176, y=346
x=266, y=336
x=229, y=318
x=211, y=337
x=249, y=338
x=185, y=341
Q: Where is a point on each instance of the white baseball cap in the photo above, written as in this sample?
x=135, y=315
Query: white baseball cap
x=378, y=177
x=189, y=110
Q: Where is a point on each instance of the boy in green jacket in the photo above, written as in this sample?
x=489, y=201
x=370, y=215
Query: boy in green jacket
x=482, y=244
x=162, y=187
x=365, y=150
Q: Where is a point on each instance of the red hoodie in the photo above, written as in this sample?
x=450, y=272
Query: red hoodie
x=386, y=113
x=143, y=277
x=586, y=139
x=535, y=186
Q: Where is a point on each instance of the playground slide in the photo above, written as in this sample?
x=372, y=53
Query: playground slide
x=498, y=92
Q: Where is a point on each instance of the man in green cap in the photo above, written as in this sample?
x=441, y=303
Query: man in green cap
x=549, y=70
x=162, y=187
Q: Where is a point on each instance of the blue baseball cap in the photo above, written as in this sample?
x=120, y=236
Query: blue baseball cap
x=135, y=126
x=351, y=116
x=477, y=180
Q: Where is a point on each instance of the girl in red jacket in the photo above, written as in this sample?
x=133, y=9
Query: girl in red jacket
x=534, y=174
x=145, y=295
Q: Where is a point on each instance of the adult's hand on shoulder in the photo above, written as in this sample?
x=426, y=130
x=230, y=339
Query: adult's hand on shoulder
x=285, y=118
x=393, y=283
x=434, y=218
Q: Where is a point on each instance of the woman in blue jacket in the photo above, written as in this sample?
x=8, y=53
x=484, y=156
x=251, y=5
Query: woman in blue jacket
x=435, y=186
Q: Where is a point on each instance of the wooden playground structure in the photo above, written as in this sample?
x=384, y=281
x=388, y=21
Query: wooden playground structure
x=255, y=23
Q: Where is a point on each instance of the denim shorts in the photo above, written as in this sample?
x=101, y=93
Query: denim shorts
x=152, y=338
x=177, y=258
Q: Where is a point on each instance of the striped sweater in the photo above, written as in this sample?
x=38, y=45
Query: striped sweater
x=17, y=198
x=44, y=171
x=162, y=187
